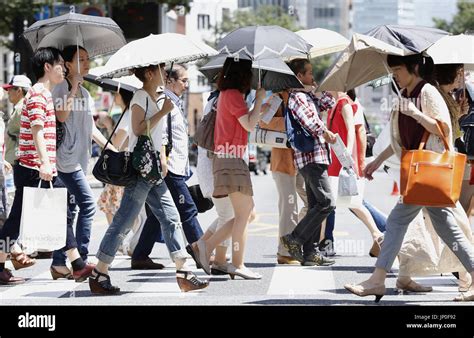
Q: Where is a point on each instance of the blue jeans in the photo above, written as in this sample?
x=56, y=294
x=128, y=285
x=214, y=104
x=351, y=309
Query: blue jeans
x=184, y=203
x=379, y=218
x=151, y=233
x=81, y=195
x=161, y=203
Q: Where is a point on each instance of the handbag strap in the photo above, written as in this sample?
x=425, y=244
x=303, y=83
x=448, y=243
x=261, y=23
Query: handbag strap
x=426, y=134
x=170, y=132
x=113, y=131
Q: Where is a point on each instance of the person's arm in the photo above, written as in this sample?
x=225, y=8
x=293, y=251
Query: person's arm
x=375, y=164
x=164, y=162
x=250, y=120
x=46, y=170
x=348, y=116
x=100, y=139
x=64, y=108
x=119, y=138
x=138, y=116
x=361, y=140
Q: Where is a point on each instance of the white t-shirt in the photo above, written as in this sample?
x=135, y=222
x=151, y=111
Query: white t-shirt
x=140, y=98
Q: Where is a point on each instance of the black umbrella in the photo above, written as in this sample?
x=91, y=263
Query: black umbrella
x=98, y=35
x=274, y=74
x=263, y=42
x=412, y=39
x=112, y=85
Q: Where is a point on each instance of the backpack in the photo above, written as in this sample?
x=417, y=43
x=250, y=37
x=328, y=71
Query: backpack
x=298, y=137
x=204, y=135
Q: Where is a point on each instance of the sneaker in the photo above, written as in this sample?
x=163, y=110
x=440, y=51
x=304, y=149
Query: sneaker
x=319, y=260
x=293, y=247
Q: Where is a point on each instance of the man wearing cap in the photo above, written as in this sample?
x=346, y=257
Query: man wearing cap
x=17, y=89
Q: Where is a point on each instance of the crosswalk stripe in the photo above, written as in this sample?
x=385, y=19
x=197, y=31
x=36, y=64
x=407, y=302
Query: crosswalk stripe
x=40, y=286
x=296, y=280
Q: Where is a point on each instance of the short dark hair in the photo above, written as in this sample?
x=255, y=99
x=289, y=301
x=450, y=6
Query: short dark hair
x=298, y=65
x=425, y=65
x=43, y=56
x=23, y=90
x=445, y=74
x=69, y=52
x=140, y=72
x=175, y=72
x=126, y=97
x=352, y=94
x=235, y=75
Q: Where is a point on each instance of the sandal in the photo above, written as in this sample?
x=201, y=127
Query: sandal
x=21, y=260
x=465, y=297
x=103, y=287
x=187, y=281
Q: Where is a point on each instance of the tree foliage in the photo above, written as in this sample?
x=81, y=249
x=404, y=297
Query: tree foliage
x=14, y=12
x=462, y=22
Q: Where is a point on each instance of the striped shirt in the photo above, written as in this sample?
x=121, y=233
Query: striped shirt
x=37, y=111
x=178, y=160
x=305, y=107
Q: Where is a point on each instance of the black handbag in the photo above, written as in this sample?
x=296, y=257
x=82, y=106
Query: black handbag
x=115, y=167
x=203, y=204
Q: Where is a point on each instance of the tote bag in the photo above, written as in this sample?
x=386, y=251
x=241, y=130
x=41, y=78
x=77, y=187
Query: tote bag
x=429, y=178
x=43, y=219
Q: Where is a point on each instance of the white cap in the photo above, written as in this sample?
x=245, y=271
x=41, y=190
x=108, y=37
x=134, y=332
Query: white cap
x=18, y=81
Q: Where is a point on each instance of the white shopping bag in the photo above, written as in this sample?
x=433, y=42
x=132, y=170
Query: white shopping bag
x=43, y=219
x=347, y=183
x=347, y=201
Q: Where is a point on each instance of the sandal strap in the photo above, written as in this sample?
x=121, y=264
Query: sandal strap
x=100, y=274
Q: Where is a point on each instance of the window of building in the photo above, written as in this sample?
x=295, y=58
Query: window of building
x=204, y=21
x=225, y=13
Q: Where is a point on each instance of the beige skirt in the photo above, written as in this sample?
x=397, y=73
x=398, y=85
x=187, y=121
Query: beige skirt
x=231, y=175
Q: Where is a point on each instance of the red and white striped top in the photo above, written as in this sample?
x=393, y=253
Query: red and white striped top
x=38, y=110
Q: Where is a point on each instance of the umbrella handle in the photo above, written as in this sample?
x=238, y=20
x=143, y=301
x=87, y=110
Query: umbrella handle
x=391, y=78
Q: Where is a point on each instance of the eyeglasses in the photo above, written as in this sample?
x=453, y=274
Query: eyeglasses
x=184, y=81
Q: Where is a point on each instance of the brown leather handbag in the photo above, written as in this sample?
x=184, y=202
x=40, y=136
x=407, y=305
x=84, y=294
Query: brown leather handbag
x=429, y=178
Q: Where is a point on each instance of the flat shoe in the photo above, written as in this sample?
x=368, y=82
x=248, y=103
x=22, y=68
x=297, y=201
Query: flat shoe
x=413, y=286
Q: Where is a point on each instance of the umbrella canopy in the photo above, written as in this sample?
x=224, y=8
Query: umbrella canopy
x=129, y=83
x=153, y=50
x=324, y=41
x=98, y=35
x=362, y=61
x=453, y=49
x=274, y=74
x=263, y=42
x=411, y=39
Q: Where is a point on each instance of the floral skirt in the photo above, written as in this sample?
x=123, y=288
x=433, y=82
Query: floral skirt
x=110, y=198
x=231, y=175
